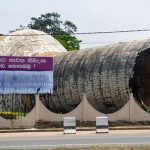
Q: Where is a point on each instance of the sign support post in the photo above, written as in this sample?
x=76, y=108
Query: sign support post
x=37, y=112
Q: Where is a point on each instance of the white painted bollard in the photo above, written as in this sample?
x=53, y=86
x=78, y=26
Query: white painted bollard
x=102, y=125
x=69, y=125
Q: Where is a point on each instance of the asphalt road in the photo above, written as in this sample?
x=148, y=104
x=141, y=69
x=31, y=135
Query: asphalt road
x=40, y=141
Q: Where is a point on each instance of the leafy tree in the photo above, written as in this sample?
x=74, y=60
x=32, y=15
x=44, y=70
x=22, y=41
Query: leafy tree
x=63, y=31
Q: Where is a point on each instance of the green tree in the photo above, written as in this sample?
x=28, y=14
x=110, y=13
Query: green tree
x=63, y=31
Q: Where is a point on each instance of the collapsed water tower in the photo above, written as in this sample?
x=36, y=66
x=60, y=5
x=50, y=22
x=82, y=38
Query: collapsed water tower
x=106, y=74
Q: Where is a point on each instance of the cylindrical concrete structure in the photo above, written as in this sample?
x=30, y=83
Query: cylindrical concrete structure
x=107, y=75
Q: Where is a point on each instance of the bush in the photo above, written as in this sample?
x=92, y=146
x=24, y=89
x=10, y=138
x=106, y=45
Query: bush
x=8, y=115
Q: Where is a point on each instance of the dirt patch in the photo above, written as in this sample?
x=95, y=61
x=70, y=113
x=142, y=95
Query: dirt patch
x=41, y=124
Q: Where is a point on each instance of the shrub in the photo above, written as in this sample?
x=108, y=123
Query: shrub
x=8, y=115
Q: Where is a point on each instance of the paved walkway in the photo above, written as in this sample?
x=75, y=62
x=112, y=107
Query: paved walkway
x=45, y=134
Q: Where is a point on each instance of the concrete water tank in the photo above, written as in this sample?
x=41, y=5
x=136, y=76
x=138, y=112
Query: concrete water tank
x=106, y=74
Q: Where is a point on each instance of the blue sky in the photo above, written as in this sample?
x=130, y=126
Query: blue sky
x=87, y=15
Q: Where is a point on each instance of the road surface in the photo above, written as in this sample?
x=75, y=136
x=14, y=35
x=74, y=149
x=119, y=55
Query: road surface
x=58, y=139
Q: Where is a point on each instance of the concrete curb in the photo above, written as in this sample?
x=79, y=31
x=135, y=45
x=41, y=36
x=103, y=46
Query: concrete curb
x=78, y=129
